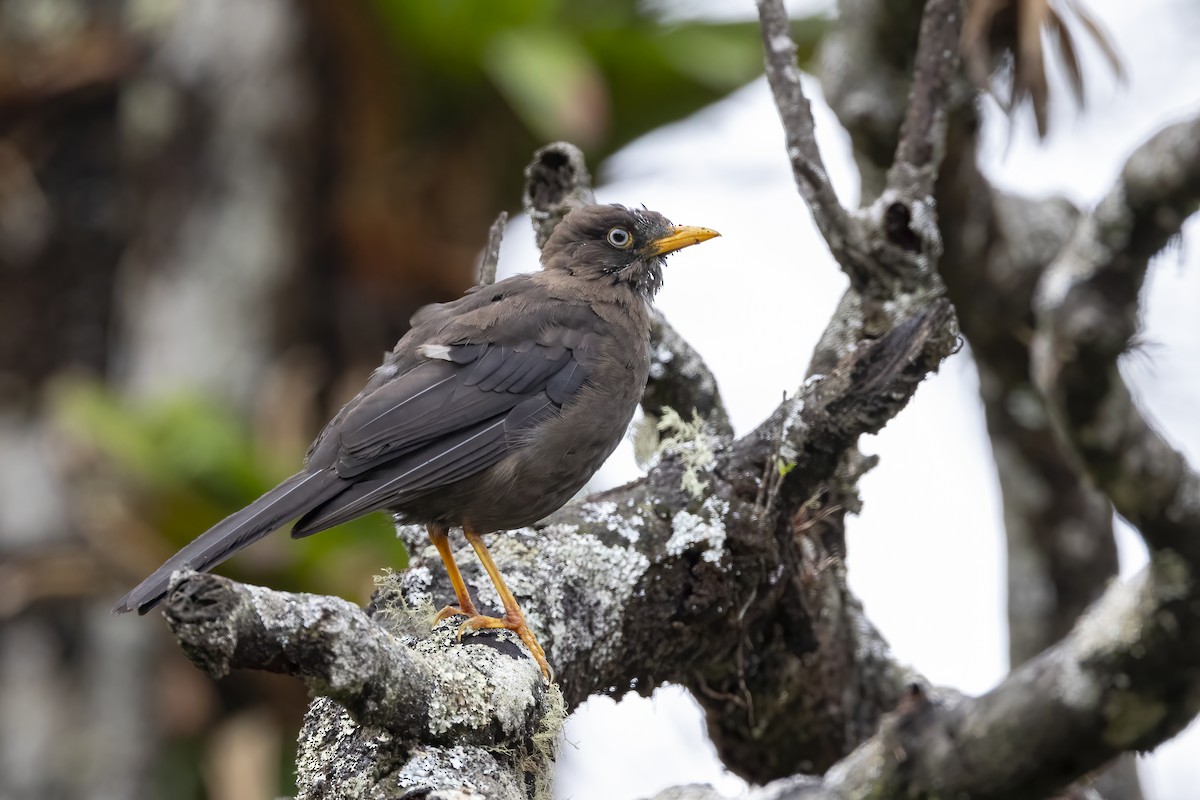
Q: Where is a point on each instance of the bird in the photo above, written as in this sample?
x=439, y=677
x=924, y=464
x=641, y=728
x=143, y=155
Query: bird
x=489, y=414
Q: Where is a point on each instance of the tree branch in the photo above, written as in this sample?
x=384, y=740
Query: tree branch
x=371, y=667
x=1061, y=551
x=889, y=250
x=1087, y=313
x=680, y=379
x=1125, y=679
x=491, y=254
x=923, y=134
x=383, y=681
x=556, y=180
x=808, y=168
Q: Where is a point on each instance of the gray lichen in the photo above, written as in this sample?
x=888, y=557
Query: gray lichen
x=704, y=531
x=457, y=773
x=692, y=444
x=582, y=559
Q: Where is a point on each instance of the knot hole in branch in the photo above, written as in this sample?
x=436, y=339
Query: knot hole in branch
x=897, y=224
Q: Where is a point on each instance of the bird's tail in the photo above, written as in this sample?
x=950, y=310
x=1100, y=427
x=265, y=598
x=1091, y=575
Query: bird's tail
x=285, y=502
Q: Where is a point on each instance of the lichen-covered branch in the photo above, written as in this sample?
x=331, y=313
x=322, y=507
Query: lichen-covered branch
x=491, y=254
x=812, y=179
x=889, y=249
x=936, y=71
x=556, y=180
x=995, y=247
x=1061, y=552
x=388, y=672
x=412, y=698
x=1126, y=678
x=1087, y=313
x=680, y=379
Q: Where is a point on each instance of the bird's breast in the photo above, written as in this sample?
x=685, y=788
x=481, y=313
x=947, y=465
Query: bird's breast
x=557, y=459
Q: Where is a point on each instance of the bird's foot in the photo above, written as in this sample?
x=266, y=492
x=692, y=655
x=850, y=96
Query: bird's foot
x=466, y=610
x=516, y=624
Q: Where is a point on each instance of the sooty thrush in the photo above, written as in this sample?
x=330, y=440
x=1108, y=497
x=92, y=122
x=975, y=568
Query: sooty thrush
x=489, y=414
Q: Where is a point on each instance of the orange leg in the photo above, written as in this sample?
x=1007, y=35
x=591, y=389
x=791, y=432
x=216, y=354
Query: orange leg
x=439, y=535
x=513, y=619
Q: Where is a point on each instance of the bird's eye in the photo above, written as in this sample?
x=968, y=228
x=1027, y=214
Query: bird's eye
x=620, y=238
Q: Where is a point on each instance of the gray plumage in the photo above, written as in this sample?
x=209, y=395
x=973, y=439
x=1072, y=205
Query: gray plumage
x=492, y=411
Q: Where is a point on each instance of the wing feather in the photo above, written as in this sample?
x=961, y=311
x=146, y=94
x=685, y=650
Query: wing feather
x=440, y=397
x=565, y=383
x=453, y=411
x=485, y=367
x=445, y=461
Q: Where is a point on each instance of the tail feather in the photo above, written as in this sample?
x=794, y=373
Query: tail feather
x=290, y=499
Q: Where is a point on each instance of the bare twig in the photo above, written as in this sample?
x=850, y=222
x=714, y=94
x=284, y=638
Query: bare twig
x=906, y=211
x=923, y=134
x=889, y=249
x=491, y=255
x=812, y=179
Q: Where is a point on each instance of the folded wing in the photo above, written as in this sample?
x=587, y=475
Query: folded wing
x=450, y=417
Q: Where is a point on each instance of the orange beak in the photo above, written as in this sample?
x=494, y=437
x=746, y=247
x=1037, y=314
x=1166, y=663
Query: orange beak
x=681, y=236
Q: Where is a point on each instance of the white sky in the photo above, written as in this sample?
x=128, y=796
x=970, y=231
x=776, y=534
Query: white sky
x=726, y=168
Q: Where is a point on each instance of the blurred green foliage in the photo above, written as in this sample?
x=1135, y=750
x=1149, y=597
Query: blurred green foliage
x=183, y=463
x=597, y=72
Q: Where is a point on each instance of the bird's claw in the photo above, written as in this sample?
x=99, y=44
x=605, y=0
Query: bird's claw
x=455, y=611
x=518, y=626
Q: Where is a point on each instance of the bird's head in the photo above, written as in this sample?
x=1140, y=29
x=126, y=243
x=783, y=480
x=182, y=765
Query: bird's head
x=618, y=244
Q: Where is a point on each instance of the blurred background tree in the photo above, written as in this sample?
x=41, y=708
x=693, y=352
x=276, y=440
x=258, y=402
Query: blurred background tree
x=214, y=216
